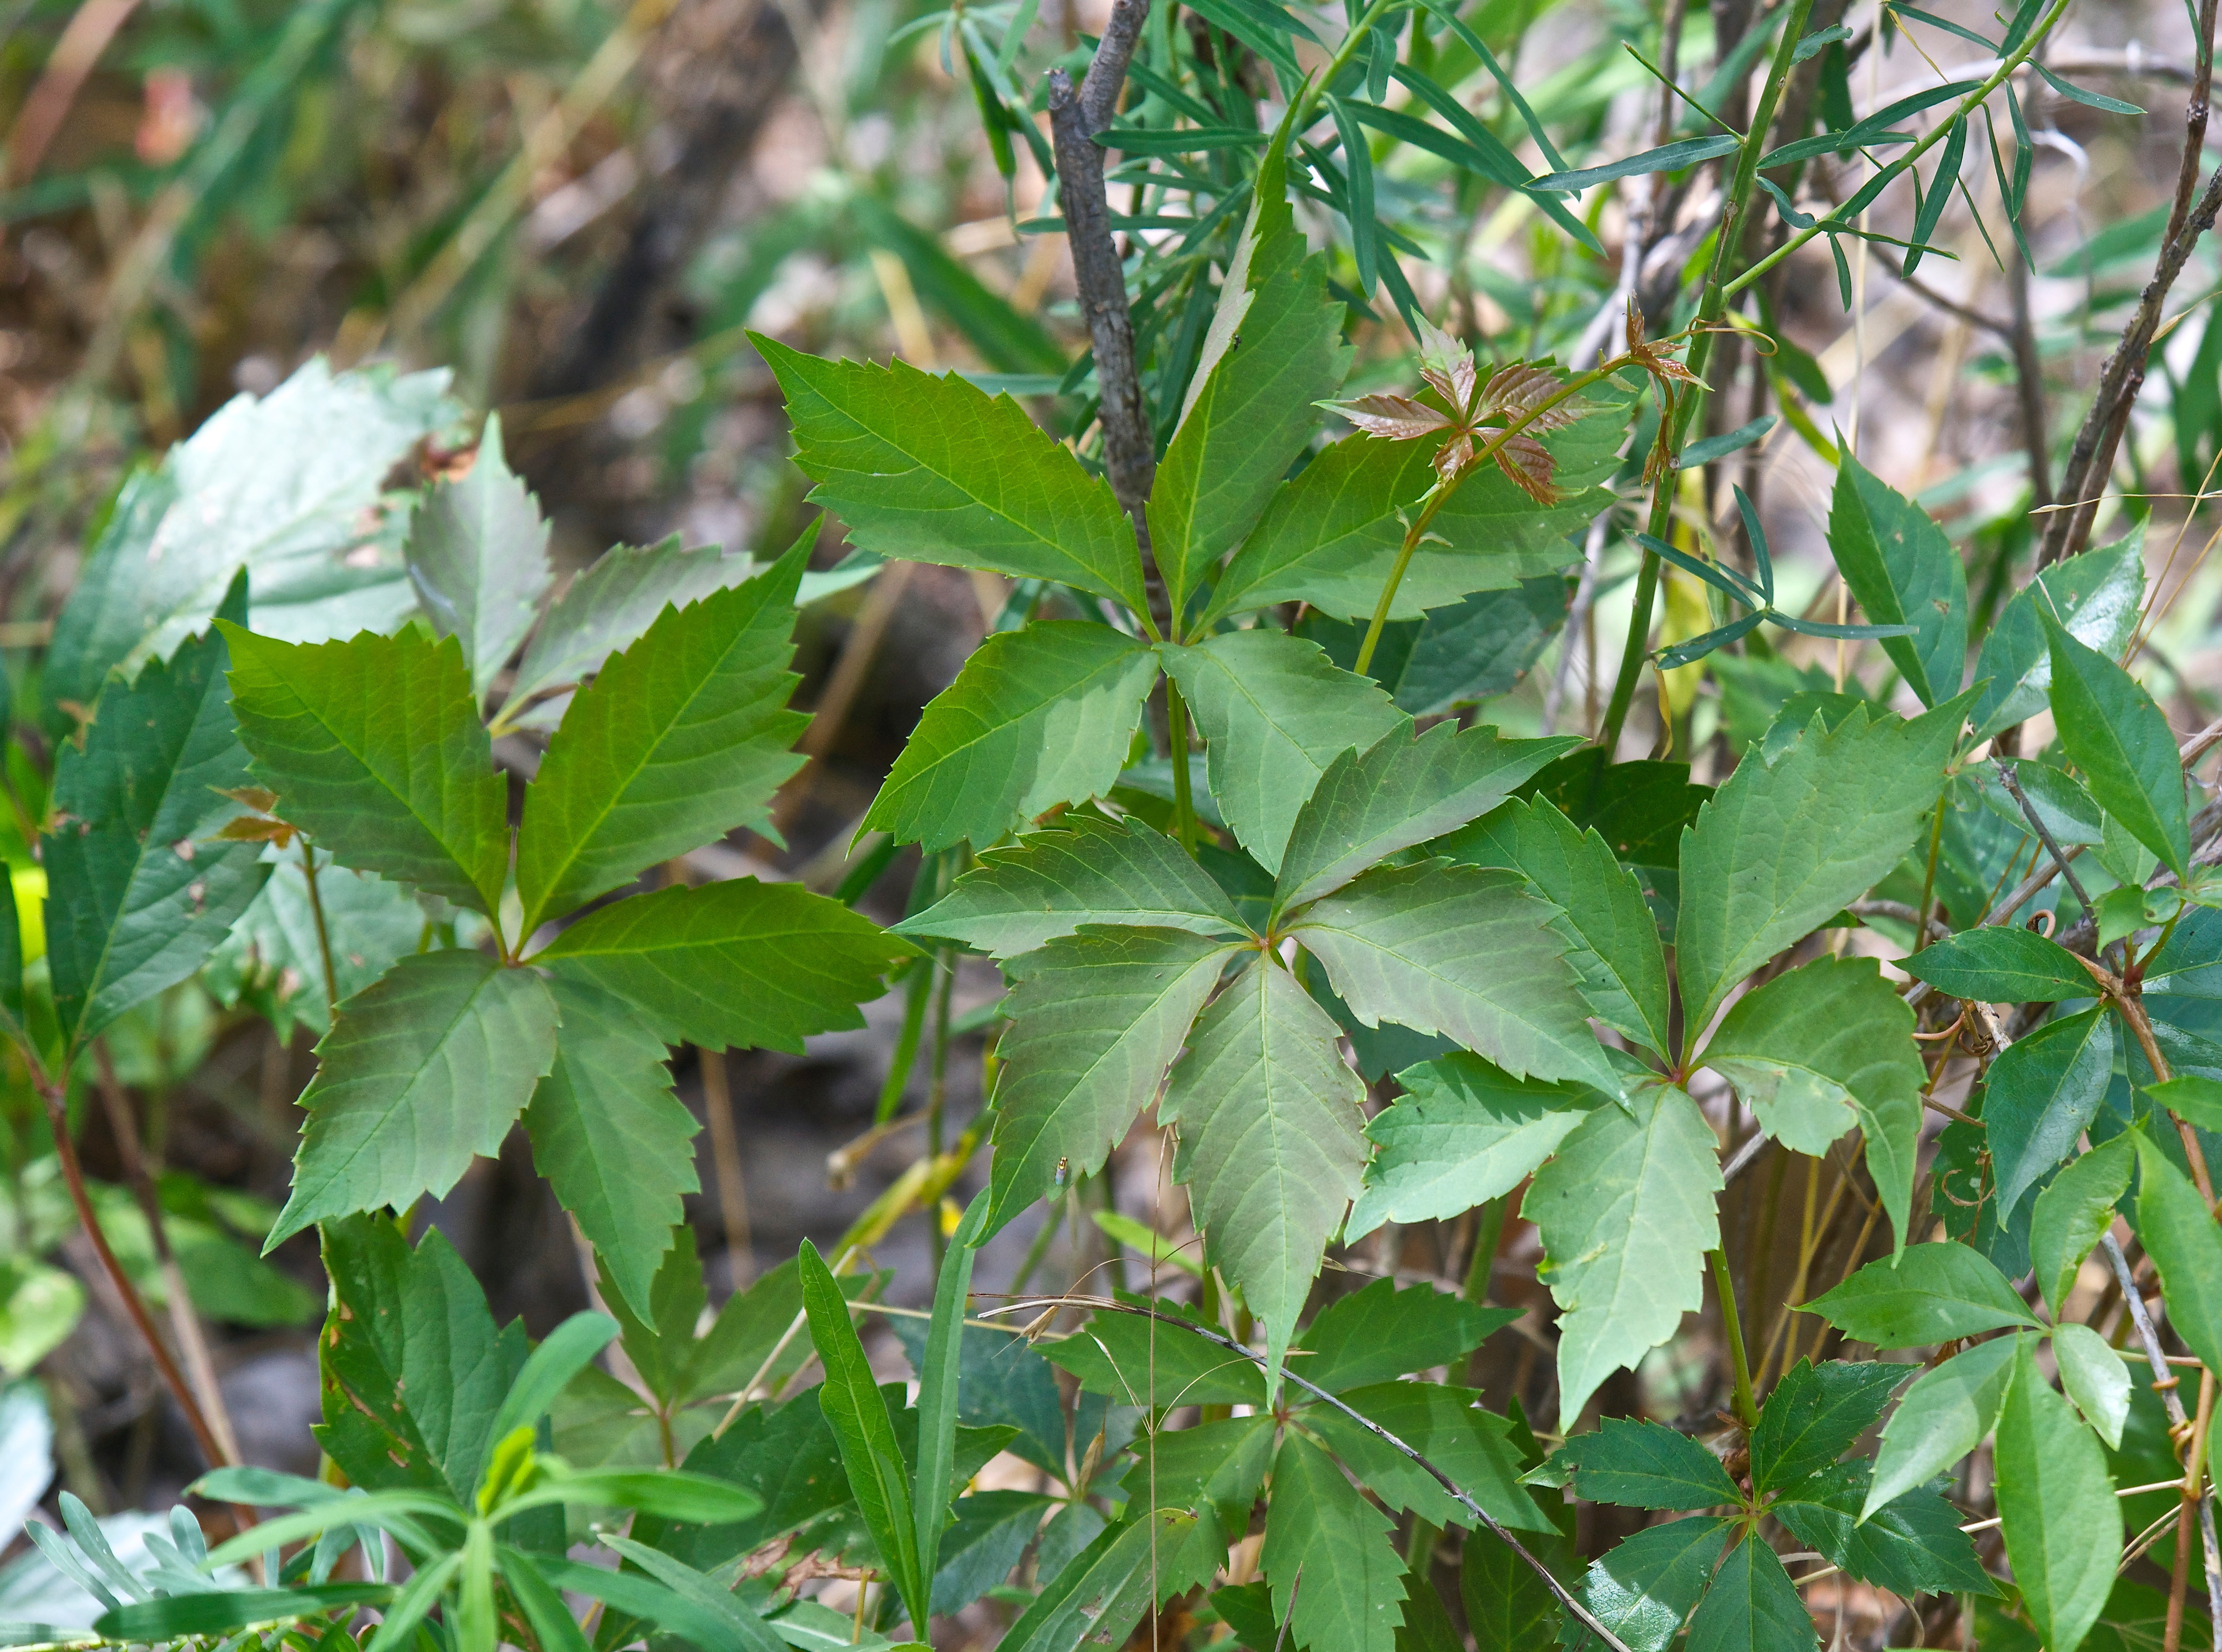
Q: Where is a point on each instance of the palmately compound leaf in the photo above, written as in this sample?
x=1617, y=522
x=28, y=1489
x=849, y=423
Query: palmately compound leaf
x=1626, y=1213
x=1402, y=790
x=375, y=748
x=1615, y=951
x=2096, y=596
x=424, y=1071
x=1902, y=569
x=1096, y=1019
x=1815, y=1049
x=2063, y=1528
x=1783, y=846
x=478, y=555
x=2186, y=1245
x=1037, y=717
x=2000, y=964
x=611, y=1136
x=2040, y=1095
x=1752, y=1606
x=1912, y=1545
x=2112, y=730
x=1644, y=1586
x=935, y=470
x=1320, y=1526
x=1463, y=951
x=1463, y=1132
x=1250, y=410
x=1814, y=1415
x=1380, y=1332
x=1927, y=1293
x=139, y=891
x=1644, y=1465
x=679, y=739
x=1273, y=714
x=291, y=488
x=738, y=964
x=2074, y=1212
x=1085, y=870
x=1944, y=1416
x=1271, y=1146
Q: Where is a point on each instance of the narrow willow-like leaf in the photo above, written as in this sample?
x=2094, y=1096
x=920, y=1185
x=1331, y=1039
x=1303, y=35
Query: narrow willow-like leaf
x=1097, y=1018
x=1036, y=717
x=938, y=1376
x=611, y=1136
x=1084, y=871
x=1815, y=1049
x=478, y=555
x=1270, y=1142
x=1319, y=1527
x=1626, y=1213
x=421, y=1072
x=2063, y=1530
x=1103, y=1592
x=1273, y=713
x=739, y=963
x=679, y=739
x=1902, y=569
x=1463, y=951
x=937, y=471
x=1944, y=1416
x=2111, y=730
x=375, y=748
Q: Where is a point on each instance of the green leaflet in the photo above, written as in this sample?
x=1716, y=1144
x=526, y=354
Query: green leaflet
x=1459, y=654
x=1618, y=957
x=1815, y=1049
x=1927, y=1293
x=478, y=555
x=2112, y=731
x=1461, y=951
x=853, y=1404
x=2073, y=1213
x=938, y=1376
x=1320, y=1526
x=1463, y=1132
x=1446, y=1426
x=1646, y=1466
x=1752, y=1606
x=1273, y=714
x=2001, y=964
x=375, y=748
x=1085, y=871
x=1782, y=845
x=1912, y=1545
x=1944, y=1416
x=1097, y=1018
x=1330, y=536
x=1037, y=717
x=1148, y=1363
x=2186, y=1245
x=1645, y=1586
x=611, y=1136
x=2096, y=596
x=739, y=963
x=2095, y=1378
x=1380, y=1332
x=936, y=471
x=424, y=1071
x=2056, y=1502
x=679, y=739
x=1271, y=1148
x=1626, y=1211
x=1222, y=1463
x=1402, y=790
x=138, y=891
x=2040, y=1095
x=1250, y=410
x=1902, y=569
x=1814, y=1415
x=281, y=487
x=1508, y=1607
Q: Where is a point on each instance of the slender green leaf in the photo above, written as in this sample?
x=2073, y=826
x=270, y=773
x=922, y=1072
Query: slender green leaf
x=1645, y=1465
x=1461, y=951
x=2040, y=1095
x=680, y=738
x=2001, y=964
x=1626, y=1211
x=1927, y=1293
x=1944, y=1416
x=936, y=471
x=1668, y=158
x=421, y=1072
x=1102, y=1593
x=1814, y=1415
x=739, y=963
x=2056, y=1502
x=706, y=1603
x=612, y=1139
x=1753, y=1606
x=2096, y=596
x=375, y=748
x=478, y=555
x=1097, y=1018
x=1271, y=1143
x=1037, y=717
x=1901, y=568
x=2111, y=730
x=1321, y=1530
x=2180, y=1235
x=1273, y=714
x=218, y=1612
x=2074, y=1211
x=937, y=1389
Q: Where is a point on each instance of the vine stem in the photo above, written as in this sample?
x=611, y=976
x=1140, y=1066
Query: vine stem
x=324, y=933
x=1724, y=1287
x=1439, y=496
